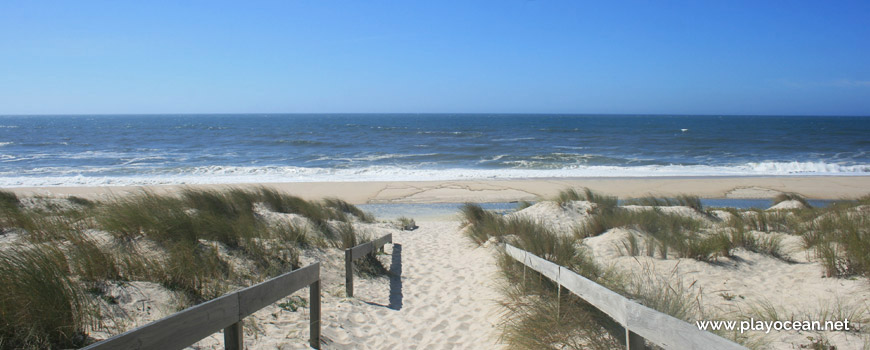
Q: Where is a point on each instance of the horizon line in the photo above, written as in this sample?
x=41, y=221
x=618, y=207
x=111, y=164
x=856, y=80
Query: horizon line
x=428, y=113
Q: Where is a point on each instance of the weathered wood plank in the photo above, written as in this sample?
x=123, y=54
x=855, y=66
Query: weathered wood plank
x=178, y=330
x=263, y=294
x=361, y=250
x=543, y=266
x=670, y=332
x=516, y=253
x=383, y=240
x=368, y=247
x=656, y=327
x=602, y=298
x=357, y=252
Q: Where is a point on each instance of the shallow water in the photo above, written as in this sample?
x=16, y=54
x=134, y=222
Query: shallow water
x=441, y=211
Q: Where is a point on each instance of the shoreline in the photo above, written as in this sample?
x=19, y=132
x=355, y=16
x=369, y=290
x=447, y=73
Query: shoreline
x=508, y=190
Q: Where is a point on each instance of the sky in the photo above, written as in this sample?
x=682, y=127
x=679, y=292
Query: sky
x=506, y=56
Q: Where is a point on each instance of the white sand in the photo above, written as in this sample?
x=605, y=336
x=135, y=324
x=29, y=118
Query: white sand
x=445, y=298
x=813, y=187
x=787, y=205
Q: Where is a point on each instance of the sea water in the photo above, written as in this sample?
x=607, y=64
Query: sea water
x=240, y=148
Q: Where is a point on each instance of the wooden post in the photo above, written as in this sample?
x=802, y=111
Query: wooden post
x=348, y=272
x=524, y=278
x=558, y=295
x=634, y=341
x=234, y=336
x=525, y=286
x=314, y=325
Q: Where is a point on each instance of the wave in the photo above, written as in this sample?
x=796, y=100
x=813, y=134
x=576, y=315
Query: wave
x=240, y=174
x=514, y=139
x=468, y=134
x=373, y=157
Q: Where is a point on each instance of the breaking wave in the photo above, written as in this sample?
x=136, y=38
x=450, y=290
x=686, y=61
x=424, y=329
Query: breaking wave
x=241, y=174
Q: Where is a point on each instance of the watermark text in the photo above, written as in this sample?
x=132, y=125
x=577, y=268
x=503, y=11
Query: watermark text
x=767, y=326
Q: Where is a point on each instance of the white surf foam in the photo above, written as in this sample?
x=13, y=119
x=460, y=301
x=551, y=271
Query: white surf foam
x=236, y=174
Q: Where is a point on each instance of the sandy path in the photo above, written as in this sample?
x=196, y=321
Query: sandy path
x=444, y=299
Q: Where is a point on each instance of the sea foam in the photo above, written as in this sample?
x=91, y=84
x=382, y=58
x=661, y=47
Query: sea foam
x=276, y=174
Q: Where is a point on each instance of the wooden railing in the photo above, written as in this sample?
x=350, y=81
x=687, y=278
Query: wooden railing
x=357, y=252
x=640, y=322
x=186, y=327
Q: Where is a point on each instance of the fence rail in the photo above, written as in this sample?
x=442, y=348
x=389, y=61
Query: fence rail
x=351, y=254
x=640, y=322
x=186, y=327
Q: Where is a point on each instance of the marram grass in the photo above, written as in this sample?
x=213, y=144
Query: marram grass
x=46, y=303
x=837, y=237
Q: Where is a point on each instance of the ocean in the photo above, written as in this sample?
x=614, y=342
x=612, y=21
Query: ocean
x=101, y=150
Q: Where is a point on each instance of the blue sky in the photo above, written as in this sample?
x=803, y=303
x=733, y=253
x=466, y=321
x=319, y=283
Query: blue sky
x=656, y=57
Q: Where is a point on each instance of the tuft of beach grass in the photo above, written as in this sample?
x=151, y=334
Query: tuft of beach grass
x=188, y=243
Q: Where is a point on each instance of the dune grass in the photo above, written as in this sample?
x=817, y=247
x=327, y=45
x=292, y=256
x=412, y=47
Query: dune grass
x=348, y=208
x=841, y=240
x=41, y=305
x=791, y=196
x=191, y=243
x=182, y=224
x=667, y=233
x=838, y=236
x=535, y=317
x=603, y=202
x=764, y=243
x=693, y=202
x=406, y=224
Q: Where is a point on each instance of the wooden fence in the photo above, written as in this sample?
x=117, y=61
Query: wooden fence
x=186, y=327
x=357, y=252
x=640, y=322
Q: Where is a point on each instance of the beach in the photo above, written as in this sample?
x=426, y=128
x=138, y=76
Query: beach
x=443, y=291
x=208, y=204
x=546, y=175
x=458, y=191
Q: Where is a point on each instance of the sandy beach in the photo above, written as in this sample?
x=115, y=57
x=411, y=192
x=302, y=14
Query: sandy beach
x=442, y=292
x=813, y=187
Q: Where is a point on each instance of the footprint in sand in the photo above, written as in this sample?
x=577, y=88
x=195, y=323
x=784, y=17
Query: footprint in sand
x=441, y=325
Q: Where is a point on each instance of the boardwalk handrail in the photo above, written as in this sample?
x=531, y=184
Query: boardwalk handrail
x=188, y=326
x=638, y=320
x=351, y=254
